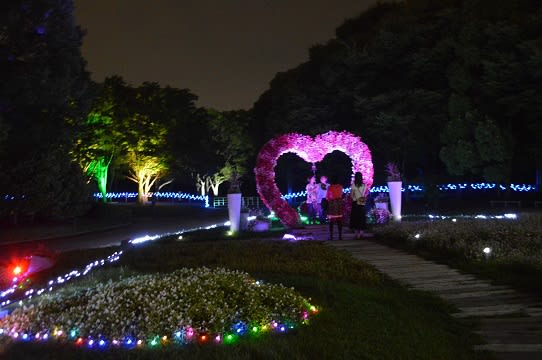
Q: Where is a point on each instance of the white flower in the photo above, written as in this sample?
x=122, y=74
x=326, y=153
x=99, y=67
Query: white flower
x=150, y=305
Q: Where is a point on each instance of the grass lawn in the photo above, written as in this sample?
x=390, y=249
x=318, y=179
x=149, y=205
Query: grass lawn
x=363, y=315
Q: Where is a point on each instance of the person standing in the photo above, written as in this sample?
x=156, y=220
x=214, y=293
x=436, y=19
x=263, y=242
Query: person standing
x=334, y=198
x=358, y=193
x=322, y=201
x=312, y=199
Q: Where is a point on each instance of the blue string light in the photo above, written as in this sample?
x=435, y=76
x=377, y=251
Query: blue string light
x=522, y=188
x=159, y=195
x=413, y=188
x=294, y=195
x=5, y=294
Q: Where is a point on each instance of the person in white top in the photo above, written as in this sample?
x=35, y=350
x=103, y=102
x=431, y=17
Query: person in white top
x=322, y=201
x=312, y=199
x=358, y=193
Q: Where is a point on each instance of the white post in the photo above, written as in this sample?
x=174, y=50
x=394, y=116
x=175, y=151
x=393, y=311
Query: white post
x=395, y=198
x=234, y=211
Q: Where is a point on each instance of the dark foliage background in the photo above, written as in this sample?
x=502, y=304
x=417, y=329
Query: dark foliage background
x=450, y=90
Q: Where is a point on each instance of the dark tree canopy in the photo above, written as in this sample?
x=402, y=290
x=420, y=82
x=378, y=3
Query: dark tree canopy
x=443, y=87
x=43, y=93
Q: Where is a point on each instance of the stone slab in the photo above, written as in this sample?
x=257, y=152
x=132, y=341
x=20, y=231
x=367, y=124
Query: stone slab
x=516, y=322
x=445, y=281
x=492, y=300
x=519, y=348
x=476, y=294
x=443, y=287
x=508, y=337
x=489, y=310
x=482, y=287
x=410, y=272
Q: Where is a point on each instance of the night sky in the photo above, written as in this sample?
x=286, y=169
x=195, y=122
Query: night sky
x=224, y=51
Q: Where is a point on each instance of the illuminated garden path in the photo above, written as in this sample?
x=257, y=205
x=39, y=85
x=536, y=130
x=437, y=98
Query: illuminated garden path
x=510, y=322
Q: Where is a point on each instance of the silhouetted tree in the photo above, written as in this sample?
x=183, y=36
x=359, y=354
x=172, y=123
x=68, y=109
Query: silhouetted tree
x=43, y=93
x=448, y=86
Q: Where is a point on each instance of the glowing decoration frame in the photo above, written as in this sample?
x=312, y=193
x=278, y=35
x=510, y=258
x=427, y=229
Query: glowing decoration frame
x=312, y=150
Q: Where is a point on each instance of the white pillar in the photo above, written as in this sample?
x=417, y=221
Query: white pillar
x=234, y=211
x=395, y=199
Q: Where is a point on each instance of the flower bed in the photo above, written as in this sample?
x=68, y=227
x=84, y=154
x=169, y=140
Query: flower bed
x=188, y=305
x=505, y=241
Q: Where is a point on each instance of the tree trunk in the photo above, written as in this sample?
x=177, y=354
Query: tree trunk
x=101, y=179
x=213, y=182
x=141, y=197
x=201, y=185
x=141, y=191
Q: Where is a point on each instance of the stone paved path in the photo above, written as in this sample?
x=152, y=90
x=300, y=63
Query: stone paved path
x=510, y=322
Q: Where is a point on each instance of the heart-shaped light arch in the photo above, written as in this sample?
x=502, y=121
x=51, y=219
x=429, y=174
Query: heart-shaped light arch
x=312, y=151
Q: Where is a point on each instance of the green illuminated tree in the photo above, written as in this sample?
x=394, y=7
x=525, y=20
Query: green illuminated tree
x=137, y=129
x=96, y=149
x=98, y=140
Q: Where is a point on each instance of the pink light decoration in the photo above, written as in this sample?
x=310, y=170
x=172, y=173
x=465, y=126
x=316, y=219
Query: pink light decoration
x=312, y=151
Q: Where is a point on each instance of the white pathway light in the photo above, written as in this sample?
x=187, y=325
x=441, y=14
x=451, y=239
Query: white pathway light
x=487, y=252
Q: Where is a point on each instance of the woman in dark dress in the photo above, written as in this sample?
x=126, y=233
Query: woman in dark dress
x=358, y=192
